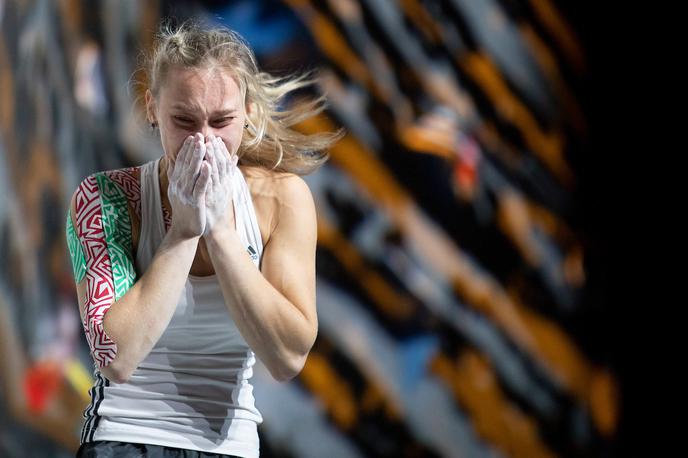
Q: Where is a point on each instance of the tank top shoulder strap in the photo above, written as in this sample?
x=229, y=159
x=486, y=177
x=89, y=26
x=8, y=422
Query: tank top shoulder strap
x=246, y=220
x=152, y=223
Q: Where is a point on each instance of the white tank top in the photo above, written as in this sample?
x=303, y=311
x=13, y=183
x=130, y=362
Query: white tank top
x=192, y=391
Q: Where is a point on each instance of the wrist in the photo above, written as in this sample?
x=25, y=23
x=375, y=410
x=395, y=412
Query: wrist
x=177, y=235
x=220, y=235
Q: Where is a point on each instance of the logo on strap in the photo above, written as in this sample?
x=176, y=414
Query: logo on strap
x=252, y=252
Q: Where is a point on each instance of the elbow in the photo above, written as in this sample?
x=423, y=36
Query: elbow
x=110, y=365
x=119, y=377
x=286, y=372
x=105, y=353
x=114, y=373
x=290, y=366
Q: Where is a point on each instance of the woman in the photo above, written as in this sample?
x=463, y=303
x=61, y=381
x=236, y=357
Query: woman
x=189, y=266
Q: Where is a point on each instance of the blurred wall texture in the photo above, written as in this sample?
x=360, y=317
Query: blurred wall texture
x=457, y=316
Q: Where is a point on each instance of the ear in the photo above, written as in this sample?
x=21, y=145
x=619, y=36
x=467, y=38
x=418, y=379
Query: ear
x=248, y=108
x=150, y=107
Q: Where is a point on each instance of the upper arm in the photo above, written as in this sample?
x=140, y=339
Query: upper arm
x=289, y=256
x=100, y=246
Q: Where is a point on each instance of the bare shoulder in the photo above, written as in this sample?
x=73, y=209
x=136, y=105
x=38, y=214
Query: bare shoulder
x=252, y=172
x=126, y=179
x=123, y=182
x=277, y=195
x=283, y=187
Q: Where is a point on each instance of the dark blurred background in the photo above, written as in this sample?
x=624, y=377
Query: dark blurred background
x=466, y=295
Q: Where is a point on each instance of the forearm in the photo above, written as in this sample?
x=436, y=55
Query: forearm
x=273, y=327
x=137, y=320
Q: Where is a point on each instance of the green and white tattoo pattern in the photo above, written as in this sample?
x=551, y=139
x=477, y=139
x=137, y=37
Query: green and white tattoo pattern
x=75, y=251
x=117, y=227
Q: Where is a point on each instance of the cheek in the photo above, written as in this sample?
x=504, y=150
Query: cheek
x=232, y=141
x=172, y=142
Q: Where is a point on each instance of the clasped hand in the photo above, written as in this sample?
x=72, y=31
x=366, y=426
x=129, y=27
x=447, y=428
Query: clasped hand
x=200, y=186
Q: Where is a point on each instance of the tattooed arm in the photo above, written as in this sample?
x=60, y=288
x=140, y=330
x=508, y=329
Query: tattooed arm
x=123, y=316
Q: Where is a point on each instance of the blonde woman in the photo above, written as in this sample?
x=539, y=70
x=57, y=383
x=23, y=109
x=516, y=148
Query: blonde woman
x=189, y=267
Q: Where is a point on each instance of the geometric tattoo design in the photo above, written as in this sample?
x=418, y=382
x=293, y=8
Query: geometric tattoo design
x=103, y=228
x=75, y=251
x=117, y=227
x=129, y=182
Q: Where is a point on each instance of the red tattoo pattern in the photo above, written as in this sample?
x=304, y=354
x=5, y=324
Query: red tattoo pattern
x=129, y=181
x=99, y=281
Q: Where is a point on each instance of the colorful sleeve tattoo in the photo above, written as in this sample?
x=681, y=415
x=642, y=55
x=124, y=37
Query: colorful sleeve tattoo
x=101, y=250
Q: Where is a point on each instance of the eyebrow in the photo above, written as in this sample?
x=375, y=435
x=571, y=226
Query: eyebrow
x=183, y=107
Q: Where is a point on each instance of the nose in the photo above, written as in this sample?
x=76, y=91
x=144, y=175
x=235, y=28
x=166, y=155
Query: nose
x=207, y=130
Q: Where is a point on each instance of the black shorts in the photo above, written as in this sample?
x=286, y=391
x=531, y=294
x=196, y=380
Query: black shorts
x=111, y=449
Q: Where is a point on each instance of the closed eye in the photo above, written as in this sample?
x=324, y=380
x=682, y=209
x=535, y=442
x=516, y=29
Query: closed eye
x=183, y=119
x=222, y=122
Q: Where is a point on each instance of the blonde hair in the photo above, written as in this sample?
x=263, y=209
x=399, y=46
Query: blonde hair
x=269, y=142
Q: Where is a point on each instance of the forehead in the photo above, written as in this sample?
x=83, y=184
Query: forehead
x=200, y=88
